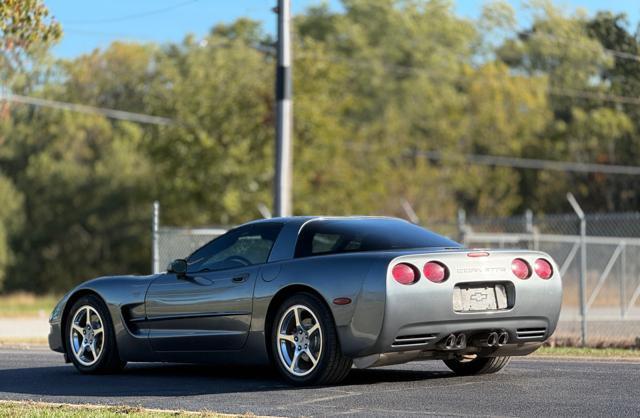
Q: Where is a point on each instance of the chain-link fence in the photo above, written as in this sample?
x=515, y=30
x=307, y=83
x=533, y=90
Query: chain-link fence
x=610, y=297
x=610, y=271
x=170, y=243
x=176, y=243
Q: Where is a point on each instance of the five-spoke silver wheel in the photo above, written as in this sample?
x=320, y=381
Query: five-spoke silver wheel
x=86, y=335
x=299, y=340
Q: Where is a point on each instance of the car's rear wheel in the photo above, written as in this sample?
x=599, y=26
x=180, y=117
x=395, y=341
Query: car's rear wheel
x=477, y=365
x=305, y=344
x=91, y=343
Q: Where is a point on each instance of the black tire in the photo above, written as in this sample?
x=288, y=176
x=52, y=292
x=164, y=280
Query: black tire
x=479, y=365
x=108, y=360
x=332, y=366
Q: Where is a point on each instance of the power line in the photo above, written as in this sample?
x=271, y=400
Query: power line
x=132, y=16
x=92, y=110
x=534, y=164
x=591, y=95
x=477, y=159
x=513, y=162
x=624, y=55
x=158, y=120
x=128, y=37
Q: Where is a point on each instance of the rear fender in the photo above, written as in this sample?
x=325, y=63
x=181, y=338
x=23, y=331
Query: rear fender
x=331, y=277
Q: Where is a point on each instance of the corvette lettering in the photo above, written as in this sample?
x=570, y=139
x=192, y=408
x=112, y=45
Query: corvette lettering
x=472, y=270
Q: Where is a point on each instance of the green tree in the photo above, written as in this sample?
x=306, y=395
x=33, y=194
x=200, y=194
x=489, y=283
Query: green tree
x=413, y=87
x=381, y=88
x=563, y=49
x=215, y=162
x=86, y=181
x=612, y=31
x=86, y=191
x=11, y=221
x=26, y=30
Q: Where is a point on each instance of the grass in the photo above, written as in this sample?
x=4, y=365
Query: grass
x=23, y=342
x=17, y=409
x=16, y=305
x=604, y=353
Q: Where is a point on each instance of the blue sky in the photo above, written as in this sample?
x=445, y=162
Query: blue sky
x=93, y=24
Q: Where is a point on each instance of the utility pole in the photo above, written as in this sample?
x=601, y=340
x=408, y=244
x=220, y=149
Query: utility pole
x=284, y=117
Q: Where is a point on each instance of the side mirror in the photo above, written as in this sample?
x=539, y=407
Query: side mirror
x=178, y=267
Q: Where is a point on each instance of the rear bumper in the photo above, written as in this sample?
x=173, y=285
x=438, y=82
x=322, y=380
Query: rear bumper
x=429, y=336
x=418, y=317
x=400, y=342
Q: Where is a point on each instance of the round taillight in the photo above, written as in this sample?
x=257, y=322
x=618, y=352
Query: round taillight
x=435, y=272
x=405, y=273
x=543, y=268
x=521, y=269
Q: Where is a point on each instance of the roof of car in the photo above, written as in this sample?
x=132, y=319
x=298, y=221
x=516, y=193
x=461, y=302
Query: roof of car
x=305, y=219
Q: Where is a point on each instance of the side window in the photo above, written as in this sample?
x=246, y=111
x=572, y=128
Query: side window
x=245, y=246
x=329, y=243
x=323, y=243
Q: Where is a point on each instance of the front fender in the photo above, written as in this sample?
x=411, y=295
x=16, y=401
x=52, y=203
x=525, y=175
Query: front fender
x=120, y=294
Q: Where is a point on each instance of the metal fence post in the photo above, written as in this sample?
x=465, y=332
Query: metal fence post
x=583, y=266
x=462, y=220
x=264, y=210
x=408, y=210
x=155, y=225
x=623, y=280
x=528, y=226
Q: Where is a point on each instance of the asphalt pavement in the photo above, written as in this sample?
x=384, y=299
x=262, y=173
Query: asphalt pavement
x=526, y=388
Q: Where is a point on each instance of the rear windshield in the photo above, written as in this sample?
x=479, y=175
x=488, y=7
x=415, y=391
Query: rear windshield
x=351, y=235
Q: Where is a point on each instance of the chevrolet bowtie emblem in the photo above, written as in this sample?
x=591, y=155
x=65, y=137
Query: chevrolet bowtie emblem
x=478, y=296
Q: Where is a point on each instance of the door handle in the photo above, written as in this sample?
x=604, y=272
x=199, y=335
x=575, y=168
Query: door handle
x=240, y=279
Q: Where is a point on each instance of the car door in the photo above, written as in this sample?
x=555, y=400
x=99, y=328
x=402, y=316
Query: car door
x=209, y=308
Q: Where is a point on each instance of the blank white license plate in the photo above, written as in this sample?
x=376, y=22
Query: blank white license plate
x=473, y=298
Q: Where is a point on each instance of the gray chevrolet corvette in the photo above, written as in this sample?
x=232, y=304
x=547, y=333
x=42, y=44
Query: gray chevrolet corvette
x=316, y=296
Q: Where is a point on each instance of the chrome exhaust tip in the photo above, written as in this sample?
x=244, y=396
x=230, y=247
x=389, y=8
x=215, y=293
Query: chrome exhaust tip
x=503, y=338
x=450, y=342
x=461, y=341
x=492, y=339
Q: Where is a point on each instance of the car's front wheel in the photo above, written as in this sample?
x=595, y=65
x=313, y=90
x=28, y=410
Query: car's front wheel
x=305, y=344
x=91, y=343
x=477, y=365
